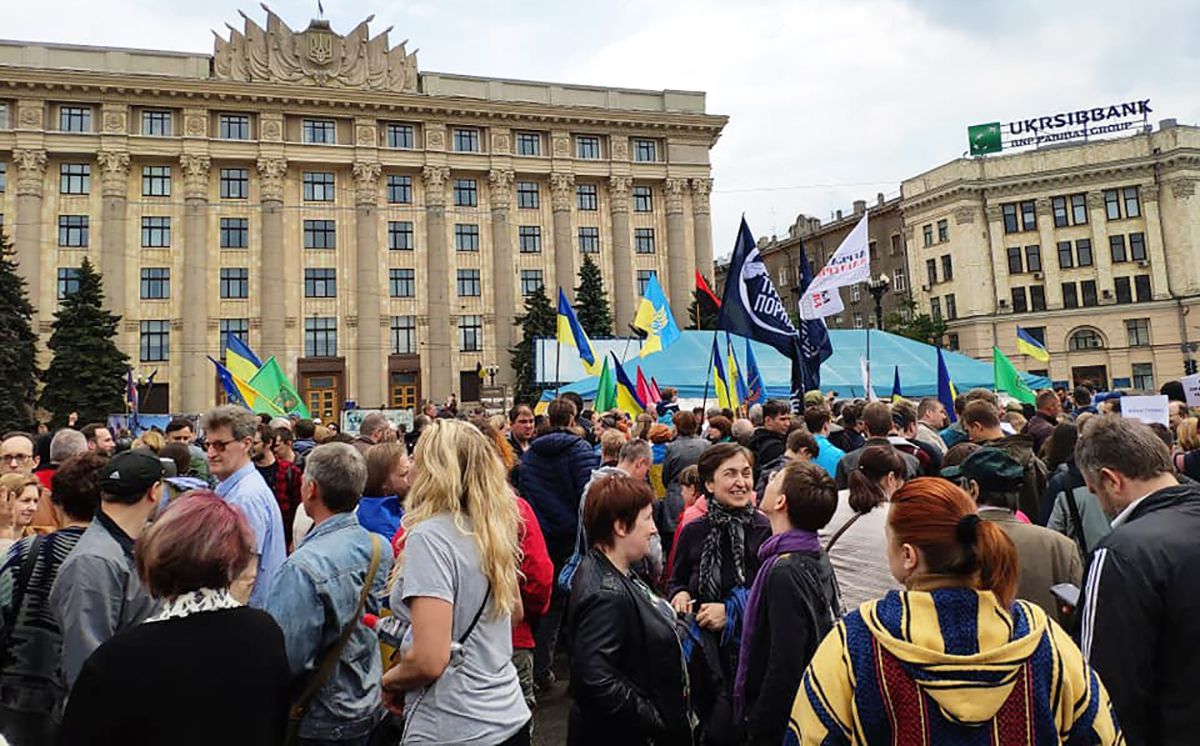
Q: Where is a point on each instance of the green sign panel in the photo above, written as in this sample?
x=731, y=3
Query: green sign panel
x=984, y=138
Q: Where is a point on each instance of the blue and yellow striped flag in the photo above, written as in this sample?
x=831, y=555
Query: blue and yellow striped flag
x=736, y=386
x=654, y=317
x=627, y=396
x=239, y=358
x=720, y=382
x=572, y=334
x=1027, y=345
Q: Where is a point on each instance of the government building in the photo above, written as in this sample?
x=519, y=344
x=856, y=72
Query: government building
x=1092, y=248
x=373, y=226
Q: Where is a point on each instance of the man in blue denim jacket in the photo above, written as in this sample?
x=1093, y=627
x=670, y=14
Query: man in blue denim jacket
x=314, y=595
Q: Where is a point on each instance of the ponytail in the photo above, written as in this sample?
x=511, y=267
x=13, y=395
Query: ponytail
x=865, y=481
x=865, y=494
x=997, y=557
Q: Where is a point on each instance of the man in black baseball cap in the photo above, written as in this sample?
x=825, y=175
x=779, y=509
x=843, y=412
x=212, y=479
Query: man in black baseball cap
x=1046, y=557
x=97, y=592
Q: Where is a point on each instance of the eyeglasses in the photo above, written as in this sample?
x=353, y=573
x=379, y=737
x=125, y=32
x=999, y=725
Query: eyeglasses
x=219, y=445
x=19, y=458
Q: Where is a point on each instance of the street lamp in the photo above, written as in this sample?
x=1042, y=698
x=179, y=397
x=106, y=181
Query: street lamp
x=878, y=287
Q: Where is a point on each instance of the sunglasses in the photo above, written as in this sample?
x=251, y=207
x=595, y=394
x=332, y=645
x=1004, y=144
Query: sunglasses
x=219, y=445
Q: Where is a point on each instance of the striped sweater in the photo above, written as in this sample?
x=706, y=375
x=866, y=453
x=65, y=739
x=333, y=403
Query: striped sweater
x=950, y=666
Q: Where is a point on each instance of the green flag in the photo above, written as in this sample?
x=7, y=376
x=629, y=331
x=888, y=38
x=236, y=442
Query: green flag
x=606, y=389
x=273, y=384
x=984, y=138
x=1009, y=380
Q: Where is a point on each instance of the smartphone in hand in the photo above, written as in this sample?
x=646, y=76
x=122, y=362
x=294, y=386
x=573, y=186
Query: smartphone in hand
x=1066, y=593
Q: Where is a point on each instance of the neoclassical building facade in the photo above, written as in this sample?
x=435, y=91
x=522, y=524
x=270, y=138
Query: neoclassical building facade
x=374, y=227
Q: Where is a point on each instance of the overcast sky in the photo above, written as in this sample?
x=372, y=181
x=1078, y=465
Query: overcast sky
x=828, y=101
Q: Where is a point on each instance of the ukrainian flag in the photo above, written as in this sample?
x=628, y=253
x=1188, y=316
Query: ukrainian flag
x=627, y=396
x=654, y=317
x=720, y=383
x=571, y=333
x=241, y=393
x=946, y=391
x=239, y=358
x=1027, y=345
x=736, y=386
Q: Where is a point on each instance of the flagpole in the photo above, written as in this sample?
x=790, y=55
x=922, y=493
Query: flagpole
x=708, y=375
x=557, y=358
x=870, y=383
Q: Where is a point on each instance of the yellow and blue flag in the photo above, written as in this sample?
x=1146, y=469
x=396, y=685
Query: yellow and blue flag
x=720, y=383
x=946, y=392
x=238, y=391
x=627, y=395
x=737, y=386
x=571, y=333
x=654, y=317
x=896, y=394
x=754, y=381
x=239, y=358
x=1027, y=345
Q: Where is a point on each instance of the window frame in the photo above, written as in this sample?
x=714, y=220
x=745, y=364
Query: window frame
x=1033, y=255
x=1123, y=289
x=155, y=283
x=400, y=235
x=75, y=178
x=531, y=280
x=1070, y=295
x=1137, y=332
x=1066, y=251
x=529, y=239
x=1117, y=249
x=529, y=195
x=234, y=283
x=642, y=277
x=399, y=189
x=1019, y=299
x=523, y=139
x=1140, y=378
x=642, y=198
x=320, y=282
x=320, y=336
x=402, y=282
x=394, y=132
x=1083, y=249
x=586, y=145
x=1037, y=298
x=403, y=327
x=1088, y=294
x=588, y=237
x=1130, y=195
x=645, y=150
x=227, y=230
x=644, y=241
x=67, y=279
x=943, y=230
x=947, y=268
x=466, y=237
x=951, y=305
x=239, y=328
x=1074, y=345
x=470, y=333
x=73, y=231
x=1016, y=267
x=319, y=234
x=154, y=341
x=466, y=140
x=75, y=118
x=234, y=183
x=156, y=231
x=1009, y=216
x=1143, y=290
x=466, y=193
x=1141, y=244
x=156, y=181
x=318, y=131
x=931, y=272
x=318, y=186
x=587, y=197
x=160, y=119
x=233, y=127
x=1112, y=204
x=468, y=279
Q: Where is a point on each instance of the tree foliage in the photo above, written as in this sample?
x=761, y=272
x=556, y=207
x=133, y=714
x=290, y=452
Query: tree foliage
x=921, y=327
x=539, y=320
x=591, y=301
x=18, y=344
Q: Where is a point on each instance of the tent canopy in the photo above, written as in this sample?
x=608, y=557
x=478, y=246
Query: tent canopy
x=685, y=366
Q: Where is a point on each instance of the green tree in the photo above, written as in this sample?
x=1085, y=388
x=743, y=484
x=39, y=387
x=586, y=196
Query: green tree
x=87, y=373
x=591, y=301
x=538, y=321
x=18, y=344
x=921, y=327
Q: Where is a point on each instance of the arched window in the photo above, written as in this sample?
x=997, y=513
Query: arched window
x=1086, y=339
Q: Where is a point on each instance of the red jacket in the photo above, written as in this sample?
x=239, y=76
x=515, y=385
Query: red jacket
x=537, y=572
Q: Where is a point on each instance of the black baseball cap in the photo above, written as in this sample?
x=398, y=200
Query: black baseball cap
x=992, y=468
x=131, y=473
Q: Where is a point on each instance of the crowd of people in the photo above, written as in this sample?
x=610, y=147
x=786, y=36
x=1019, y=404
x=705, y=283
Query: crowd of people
x=859, y=572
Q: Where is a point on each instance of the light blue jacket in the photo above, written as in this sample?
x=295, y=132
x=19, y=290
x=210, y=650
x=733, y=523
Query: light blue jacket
x=313, y=595
x=828, y=455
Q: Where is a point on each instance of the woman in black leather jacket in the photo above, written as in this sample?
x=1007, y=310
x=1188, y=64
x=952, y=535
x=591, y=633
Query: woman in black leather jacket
x=627, y=671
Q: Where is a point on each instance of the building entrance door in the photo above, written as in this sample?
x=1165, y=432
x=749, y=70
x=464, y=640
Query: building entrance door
x=404, y=390
x=321, y=394
x=1094, y=377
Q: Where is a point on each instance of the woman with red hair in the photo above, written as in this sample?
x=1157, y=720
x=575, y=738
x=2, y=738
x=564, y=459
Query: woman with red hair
x=953, y=658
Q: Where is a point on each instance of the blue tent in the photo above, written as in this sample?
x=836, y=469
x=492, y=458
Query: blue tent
x=685, y=366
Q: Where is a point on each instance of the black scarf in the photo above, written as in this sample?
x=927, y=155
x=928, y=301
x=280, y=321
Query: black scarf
x=723, y=520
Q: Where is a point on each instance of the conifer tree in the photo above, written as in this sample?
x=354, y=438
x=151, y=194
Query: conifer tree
x=538, y=321
x=701, y=313
x=591, y=301
x=18, y=345
x=87, y=372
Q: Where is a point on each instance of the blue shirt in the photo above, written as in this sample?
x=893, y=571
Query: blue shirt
x=829, y=455
x=246, y=489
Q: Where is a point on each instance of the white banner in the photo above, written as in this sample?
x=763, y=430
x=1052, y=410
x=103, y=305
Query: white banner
x=1148, y=409
x=851, y=263
x=1191, y=389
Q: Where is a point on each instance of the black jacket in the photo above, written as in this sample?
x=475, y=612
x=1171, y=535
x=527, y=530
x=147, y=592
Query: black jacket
x=1141, y=617
x=768, y=447
x=627, y=678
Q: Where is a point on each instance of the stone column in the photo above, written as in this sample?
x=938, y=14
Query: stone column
x=271, y=281
x=681, y=260
x=366, y=238
x=562, y=192
x=624, y=297
x=702, y=227
x=194, y=373
x=114, y=189
x=27, y=235
x=437, y=267
x=503, y=268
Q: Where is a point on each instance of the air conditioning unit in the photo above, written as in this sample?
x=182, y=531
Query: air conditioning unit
x=925, y=288
x=1107, y=293
x=1143, y=262
x=1038, y=276
x=1003, y=302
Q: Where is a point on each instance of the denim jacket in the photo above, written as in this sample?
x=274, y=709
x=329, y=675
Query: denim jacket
x=313, y=595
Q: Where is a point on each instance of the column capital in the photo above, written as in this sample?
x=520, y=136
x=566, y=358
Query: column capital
x=993, y=214
x=31, y=171
x=366, y=183
x=195, y=175
x=1095, y=200
x=500, y=181
x=618, y=188
x=271, y=172
x=701, y=189
x=114, y=171
x=675, y=189
x=1148, y=193
x=1043, y=206
x=562, y=191
x=1183, y=188
x=434, y=178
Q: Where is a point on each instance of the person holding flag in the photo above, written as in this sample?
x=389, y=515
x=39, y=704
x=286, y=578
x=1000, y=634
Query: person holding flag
x=654, y=317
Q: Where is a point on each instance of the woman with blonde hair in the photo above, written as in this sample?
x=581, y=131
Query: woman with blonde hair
x=19, y=494
x=457, y=591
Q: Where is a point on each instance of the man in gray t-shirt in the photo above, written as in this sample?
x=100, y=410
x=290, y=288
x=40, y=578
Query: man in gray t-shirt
x=477, y=699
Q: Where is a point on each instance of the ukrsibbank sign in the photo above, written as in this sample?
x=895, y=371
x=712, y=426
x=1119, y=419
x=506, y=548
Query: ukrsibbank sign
x=1069, y=125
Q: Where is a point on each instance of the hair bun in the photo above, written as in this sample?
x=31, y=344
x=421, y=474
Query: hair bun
x=967, y=527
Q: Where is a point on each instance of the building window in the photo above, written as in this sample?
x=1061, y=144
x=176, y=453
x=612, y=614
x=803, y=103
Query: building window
x=645, y=151
x=156, y=181
x=235, y=183
x=1137, y=331
x=528, y=196
x=470, y=333
x=1019, y=301
x=952, y=341
x=1133, y=207
x=585, y=197
x=643, y=240
x=3, y=176
x=947, y=268
x=529, y=143
x=1015, y=264
x=935, y=312
x=1087, y=289
x=1028, y=215
x=399, y=189
x=468, y=283
x=233, y=127
x=320, y=234
x=1116, y=245
x=1059, y=206
x=156, y=123
x=899, y=280
x=156, y=283
x=402, y=283
x=1124, y=290
x=3, y=116
x=320, y=282
x=239, y=328
x=1009, y=213
x=319, y=132
x=466, y=237
x=318, y=186
x=75, y=119
x=529, y=239
x=156, y=232
x=156, y=341
x=872, y=250
x=1037, y=298
x=1086, y=339
x=943, y=228
x=73, y=231
x=320, y=336
x=398, y=135
x=1066, y=257
x=589, y=240
x=404, y=335
x=931, y=271
x=587, y=147
x=74, y=178
x=466, y=140
x=1143, y=376
x=1141, y=288
x=531, y=281
x=896, y=244
x=1070, y=296
x=1033, y=258
x=68, y=281
x=1112, y=204
x=235, y=233
x=235, y=283
x=951, y=308
x=643, y=280
x=1137, y=247
x=466, y=193
x=856, y=292
x=857, y=318
x=1079, y=214
x=643, y=199
x=1083, y=252
x=400, y=235
x=927, y=231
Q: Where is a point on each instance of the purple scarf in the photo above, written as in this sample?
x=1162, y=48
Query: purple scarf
x=793, y=540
